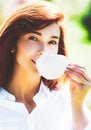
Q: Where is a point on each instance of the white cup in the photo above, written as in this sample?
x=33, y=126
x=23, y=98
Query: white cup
x=52, y=66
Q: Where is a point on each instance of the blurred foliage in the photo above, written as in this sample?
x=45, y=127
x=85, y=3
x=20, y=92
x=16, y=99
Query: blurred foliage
x=49, y=0
x=85, y=21
x=1, y=17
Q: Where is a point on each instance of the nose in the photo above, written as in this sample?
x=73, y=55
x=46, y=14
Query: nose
x=43, y=50
x=40, y=52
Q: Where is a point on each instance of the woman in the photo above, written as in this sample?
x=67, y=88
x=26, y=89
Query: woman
x=27, y=100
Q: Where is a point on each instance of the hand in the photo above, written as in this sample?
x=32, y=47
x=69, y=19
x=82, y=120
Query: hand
x=80, y=83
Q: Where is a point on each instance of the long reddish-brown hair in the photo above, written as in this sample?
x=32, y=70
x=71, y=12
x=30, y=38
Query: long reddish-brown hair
x=25, y=19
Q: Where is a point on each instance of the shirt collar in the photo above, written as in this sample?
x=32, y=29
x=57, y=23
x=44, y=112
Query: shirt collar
x=43, y=92
x=6, y=95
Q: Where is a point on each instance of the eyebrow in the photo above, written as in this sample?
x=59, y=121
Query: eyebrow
x=38, y=33
x=55, y=37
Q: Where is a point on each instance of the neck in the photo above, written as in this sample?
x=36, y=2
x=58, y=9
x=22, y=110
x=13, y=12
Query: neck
x=24, y=85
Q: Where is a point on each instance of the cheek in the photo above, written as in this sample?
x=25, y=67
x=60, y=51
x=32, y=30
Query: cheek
x=21, y=57
x=56, y=49
x=21, y=52
x=53, y=50
x=29, y=49
x=23, y=60
x=25, y=51
x=24, y=54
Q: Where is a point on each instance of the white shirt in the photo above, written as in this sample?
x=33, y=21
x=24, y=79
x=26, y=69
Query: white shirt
x=52, y=111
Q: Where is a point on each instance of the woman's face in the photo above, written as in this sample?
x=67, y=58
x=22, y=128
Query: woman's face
x=33, y=45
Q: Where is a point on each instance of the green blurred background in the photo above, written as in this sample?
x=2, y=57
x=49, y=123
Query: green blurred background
x=77, y=27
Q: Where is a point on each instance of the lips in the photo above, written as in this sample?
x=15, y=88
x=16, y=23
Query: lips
x=33, y=61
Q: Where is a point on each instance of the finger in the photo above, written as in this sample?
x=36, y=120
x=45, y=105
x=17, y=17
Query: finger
x=79, y=78
x=75, y=75
x=76, y=65
x=77, y=84
x=81, y=71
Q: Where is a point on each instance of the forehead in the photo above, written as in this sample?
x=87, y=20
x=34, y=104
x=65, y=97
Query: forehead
x=49, y=31
x=52, y=29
